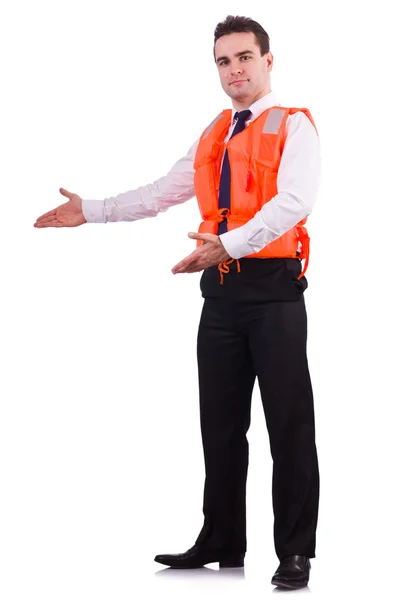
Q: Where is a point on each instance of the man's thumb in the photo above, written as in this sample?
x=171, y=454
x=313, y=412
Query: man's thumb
x=206, y=237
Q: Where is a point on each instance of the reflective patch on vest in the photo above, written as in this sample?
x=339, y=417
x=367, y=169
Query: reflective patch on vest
x=273, y=121
x=211, y=126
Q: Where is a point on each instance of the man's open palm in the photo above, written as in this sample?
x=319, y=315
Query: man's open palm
x=65, y=215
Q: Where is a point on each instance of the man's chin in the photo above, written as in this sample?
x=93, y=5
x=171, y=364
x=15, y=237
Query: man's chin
x=237, y=94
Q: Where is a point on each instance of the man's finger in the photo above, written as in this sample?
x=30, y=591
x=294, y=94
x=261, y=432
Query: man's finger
x=50, y=213
x=194, y=266
x=46, y=219
x=66, y=193
x=181, y=266
x=205, y=237
x=50, y=222
x=186, y=261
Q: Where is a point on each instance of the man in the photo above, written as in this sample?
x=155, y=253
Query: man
x=255, y=172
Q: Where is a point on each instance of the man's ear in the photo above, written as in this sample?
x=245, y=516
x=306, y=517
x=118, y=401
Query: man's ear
x=269, y=61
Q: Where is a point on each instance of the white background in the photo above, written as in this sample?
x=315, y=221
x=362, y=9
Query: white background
x=100, y=448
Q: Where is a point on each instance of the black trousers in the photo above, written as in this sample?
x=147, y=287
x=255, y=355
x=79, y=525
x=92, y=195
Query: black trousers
x=255, y=325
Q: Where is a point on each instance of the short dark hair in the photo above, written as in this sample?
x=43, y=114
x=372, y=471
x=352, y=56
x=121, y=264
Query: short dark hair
x=243, y=24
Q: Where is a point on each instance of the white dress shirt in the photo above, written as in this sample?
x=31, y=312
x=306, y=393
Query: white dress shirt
x=298, y=180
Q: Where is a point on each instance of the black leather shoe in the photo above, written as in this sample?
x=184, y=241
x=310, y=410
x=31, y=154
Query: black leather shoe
x=293, y=572
x=197, y=557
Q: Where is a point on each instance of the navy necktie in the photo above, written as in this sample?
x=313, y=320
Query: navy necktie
x=224, y=184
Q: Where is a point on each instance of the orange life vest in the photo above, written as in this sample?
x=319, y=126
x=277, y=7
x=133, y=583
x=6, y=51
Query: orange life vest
x=254, y=156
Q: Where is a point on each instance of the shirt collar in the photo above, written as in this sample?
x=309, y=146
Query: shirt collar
x=267, y=101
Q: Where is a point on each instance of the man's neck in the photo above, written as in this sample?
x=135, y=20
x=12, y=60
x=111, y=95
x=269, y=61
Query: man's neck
x=247, y=103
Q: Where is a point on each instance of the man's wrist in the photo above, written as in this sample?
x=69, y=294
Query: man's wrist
x=223, y=248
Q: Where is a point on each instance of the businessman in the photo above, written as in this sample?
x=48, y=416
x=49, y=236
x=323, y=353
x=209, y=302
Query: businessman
x=255, y=172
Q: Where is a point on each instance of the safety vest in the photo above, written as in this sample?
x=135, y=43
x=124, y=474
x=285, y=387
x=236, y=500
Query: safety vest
x=254, y=156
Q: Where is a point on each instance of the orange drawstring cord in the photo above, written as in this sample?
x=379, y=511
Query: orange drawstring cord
x=304, y=239
x=305, y=267
x=223, y=267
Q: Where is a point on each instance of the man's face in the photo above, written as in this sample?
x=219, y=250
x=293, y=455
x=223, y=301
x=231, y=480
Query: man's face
x=244, y=73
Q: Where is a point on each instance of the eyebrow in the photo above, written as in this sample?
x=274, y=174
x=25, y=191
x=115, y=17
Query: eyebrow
x=237, y=54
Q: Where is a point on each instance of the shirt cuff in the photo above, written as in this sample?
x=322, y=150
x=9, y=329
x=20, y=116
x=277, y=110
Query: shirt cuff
x=94, y=211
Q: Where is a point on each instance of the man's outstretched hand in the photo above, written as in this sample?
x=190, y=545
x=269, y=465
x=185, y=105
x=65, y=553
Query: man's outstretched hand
x=211, y=252
x=66, y=215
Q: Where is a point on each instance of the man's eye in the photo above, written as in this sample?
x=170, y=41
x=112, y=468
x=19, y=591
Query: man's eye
x=246, y=56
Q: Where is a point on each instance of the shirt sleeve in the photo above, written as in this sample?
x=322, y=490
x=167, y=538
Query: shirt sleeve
x=298, y=181
x=147, y=201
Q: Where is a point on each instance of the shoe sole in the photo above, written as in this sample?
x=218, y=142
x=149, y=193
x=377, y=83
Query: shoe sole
x=223, y=564
x=290, y=585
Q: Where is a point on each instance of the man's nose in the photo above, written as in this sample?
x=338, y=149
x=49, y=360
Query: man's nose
x=236, y=69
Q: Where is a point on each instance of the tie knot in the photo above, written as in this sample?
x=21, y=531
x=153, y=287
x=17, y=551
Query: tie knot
x=242, y=116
